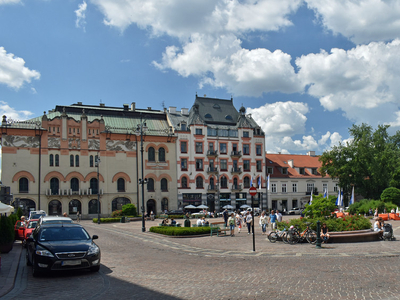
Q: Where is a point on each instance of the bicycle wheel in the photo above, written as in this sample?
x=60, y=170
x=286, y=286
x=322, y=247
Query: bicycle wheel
x=293, y=237
x=311, y=237
x=284, y=237
x=273, y=237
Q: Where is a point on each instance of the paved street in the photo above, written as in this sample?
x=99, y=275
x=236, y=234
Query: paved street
x=138, y=265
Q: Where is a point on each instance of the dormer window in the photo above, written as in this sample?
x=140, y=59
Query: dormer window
x=183, y=126
x=228, y=117
x=314, y=171
x=301, y=171
x=284, y=171
x=216, y=106
x=208, y=116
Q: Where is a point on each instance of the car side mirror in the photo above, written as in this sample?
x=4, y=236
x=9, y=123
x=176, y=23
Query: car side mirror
x=95, y=237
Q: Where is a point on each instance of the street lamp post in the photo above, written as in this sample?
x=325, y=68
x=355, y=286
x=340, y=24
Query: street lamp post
x=141, y=128
x=98, y=189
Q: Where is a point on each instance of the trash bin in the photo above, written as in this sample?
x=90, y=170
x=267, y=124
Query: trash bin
x=122, y=219
x=187, y=223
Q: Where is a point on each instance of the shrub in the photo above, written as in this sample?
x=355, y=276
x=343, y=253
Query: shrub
x=391, y=194
x=363, y=206
x=116, y=213
x=178, y=231
x=129, y=210
x=6, y=230
x=320, y=206
x=107, y=220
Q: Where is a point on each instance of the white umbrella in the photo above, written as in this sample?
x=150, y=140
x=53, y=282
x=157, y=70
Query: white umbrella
x=228, y=207
x=202, y=206
x=190, y=206
x=245, y=206
x=5, y=209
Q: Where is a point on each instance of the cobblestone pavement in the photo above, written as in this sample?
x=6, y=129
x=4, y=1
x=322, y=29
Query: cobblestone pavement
x=148, y=266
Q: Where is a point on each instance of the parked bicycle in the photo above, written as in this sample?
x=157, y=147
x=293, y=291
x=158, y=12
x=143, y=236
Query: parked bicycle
x=273, y=236
x=294, y=236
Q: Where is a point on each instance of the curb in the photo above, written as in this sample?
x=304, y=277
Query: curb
x=14, y=255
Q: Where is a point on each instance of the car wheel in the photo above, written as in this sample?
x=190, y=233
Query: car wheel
x=95, y=268
x=35, y=268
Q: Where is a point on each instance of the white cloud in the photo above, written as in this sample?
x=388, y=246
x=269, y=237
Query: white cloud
x=13, y=114
x=9, y=2
x=361, y=21
x=80, y=21
x=13, y=72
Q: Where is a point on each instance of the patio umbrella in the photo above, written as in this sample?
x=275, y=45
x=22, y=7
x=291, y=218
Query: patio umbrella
x=228, y=207
x=202, y=206
x=190, y=206
x=245, y=206
x=5, y=209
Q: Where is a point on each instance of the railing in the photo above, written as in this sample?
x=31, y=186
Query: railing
x=236, y=170
x=212, y=152
x=212, y=169
x=236, y=153
x=236, y=187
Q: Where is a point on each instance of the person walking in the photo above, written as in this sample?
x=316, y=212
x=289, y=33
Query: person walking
x=263, y=221
x=239, y=221
x=231, y=222
x=225, y=215
x=249, y=221
x=278, y=216
x=152, y=215
x=78, y=219
x=272, y=220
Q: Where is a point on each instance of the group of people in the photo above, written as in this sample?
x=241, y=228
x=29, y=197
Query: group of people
x=240, y=220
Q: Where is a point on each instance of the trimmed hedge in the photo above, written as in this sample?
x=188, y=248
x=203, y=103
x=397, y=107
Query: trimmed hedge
x=107, y=220
x=180, y=231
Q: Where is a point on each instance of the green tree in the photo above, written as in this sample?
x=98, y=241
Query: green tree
x=129, y=210
x=320, y=207
x=368, y=161
x=391, y=194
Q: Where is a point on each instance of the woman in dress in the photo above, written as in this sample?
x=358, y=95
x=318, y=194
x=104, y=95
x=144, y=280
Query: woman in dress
x=263, y=222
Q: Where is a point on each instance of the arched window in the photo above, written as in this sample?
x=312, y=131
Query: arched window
x=164, y=185
x=51, y=160
x=212, y=183
x=55, y=208
x=57, y=159
x=164, y=204
x=76, y=160
x=199, y=182
x=74, y=184
x=152, y=154
x=71, y=160
x=246, y=182
x=23, y=185
x=94, y=185
x=235, y=183
x=121, y=185
x=94, y=206
x=161, y=154
x=184, y=182
x=117, y=203
x=224, y=182
x=54, y=186
x=91, y=161
x=150, y=185
x=74, y=206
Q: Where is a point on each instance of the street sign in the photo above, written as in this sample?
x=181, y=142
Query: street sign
x=253, y=191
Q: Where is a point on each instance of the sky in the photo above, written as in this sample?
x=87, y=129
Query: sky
x=305, y=70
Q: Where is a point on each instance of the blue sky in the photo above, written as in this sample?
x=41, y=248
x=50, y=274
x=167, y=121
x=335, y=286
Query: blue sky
x=305, y=70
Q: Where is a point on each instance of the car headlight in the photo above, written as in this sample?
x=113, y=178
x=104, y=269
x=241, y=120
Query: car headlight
x=44, y=253
x=93, y=249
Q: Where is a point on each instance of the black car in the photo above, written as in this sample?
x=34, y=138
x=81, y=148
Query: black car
x=62, y=246
x=176, y=212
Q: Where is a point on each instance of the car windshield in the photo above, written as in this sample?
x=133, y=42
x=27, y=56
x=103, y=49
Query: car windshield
x=36, y=216
x=32, y=224
x=63, y=234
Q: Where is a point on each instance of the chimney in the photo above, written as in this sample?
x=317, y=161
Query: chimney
x=126, y=106
x=172, y=110
x=311, y=153
x=133, y=106
x=102, y=104
x=184, y=111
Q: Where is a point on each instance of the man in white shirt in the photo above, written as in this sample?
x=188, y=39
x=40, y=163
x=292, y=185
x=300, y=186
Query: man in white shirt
x=278, y=216
x=199, y=222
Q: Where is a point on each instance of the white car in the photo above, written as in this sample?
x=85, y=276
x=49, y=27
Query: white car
x=294, y=211
x=54, y=219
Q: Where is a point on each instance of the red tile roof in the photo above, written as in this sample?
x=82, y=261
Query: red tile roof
x=279, y=161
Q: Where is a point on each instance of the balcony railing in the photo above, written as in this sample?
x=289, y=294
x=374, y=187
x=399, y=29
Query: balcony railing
x=236, y=187
x=236, y=153
x=212, y=153
x=236, y=170
x=212, y=170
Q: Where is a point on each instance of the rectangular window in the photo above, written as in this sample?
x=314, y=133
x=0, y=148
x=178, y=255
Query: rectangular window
x=246, y=165
x=269, y=170
x=245, y=134
x=211, y=147
x=336, y=187
x=70, y=130
x=283, y=187
x=246, y=149
x=223, y=132
x=199, y=131
x=301, y=171
x=199, y=165
x=199, y=147
x=183, y=147
x=259, y=165
x=183, y=126
x=222, y=148
x=223, y=164
x=325, y=187
x=211, y=131
x=294, y=187
x=314, y=171
x=284, y=171
x=310, y=187
x=233, y=133
x=273, y=187
x=258, y=150
x=184, y=164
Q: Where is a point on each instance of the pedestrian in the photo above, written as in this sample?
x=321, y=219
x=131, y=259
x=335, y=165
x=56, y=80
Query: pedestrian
x=231, y=222
x=263, y=222
x=278, y=216
x=65, y=214
x=249, y=221
x=78, y=219
x=225, y=215
x=152, y=215
x=376, y=213
x=239, y=221
x=272, y=220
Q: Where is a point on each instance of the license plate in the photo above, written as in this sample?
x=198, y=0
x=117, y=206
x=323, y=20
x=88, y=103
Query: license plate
x=71, y=262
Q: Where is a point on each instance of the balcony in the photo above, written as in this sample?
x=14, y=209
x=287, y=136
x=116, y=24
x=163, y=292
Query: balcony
x=212, y=170
x=212, y=153
x=236, y=187
x=212, y=188
x=236, y=153
x=308, y=193
x=236, y=170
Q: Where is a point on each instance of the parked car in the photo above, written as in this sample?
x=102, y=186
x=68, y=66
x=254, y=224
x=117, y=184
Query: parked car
x=61, y=246
x=294, y=211
x=54, y=219
x=28, y=230
x=176, y=212
x=36, y=214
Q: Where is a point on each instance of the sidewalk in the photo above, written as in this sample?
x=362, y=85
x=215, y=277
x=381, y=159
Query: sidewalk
x=9, y=268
